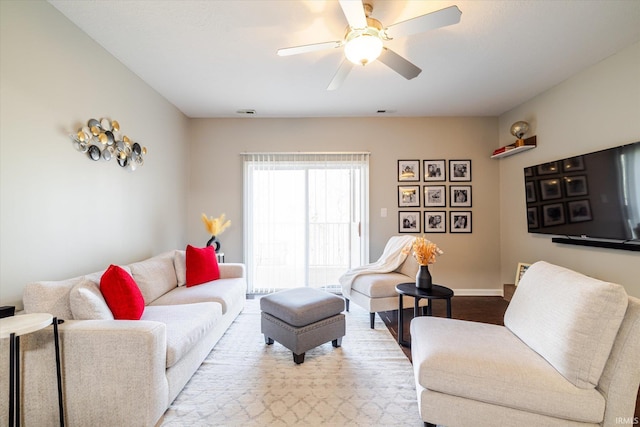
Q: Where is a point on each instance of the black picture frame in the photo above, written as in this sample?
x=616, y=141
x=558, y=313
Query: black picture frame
x=408, y=196
x=460, y=196
x=459, y=170
x=409, y=222
x=434, y=196
x=435, y=222
x=408, y=170
x=460, y=222
x=434, y=170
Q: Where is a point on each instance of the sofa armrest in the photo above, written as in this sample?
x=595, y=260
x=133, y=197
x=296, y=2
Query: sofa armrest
x=113, y=373
x=231, y=270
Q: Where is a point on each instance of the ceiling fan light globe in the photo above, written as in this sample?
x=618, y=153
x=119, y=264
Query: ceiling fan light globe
x=363, y=49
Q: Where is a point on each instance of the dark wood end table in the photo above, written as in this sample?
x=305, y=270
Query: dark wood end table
x=410, y=289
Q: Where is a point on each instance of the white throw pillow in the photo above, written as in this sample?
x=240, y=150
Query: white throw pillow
x=180, y=264
x=87, y=302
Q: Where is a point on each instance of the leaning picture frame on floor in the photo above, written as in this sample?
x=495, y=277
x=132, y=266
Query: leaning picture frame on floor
x=408, y=221
x=522, y=268
x=408, y=170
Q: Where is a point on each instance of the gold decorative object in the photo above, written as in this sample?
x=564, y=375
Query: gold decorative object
x=102, y=140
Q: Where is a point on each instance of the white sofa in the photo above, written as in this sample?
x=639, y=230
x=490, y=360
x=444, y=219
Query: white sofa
x=567, y=356
x=121, y=372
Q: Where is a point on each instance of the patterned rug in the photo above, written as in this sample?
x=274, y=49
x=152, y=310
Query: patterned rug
x=243, y=382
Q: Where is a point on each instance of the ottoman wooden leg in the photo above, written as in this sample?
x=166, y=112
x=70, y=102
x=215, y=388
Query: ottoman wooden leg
x=298, y=358
x=337, y=343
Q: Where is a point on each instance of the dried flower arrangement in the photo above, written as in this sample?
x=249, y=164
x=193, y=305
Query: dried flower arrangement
x=425, y=251
x=215, y=226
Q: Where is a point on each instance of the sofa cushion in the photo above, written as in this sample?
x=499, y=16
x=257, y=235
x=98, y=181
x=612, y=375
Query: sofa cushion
x=87, y=302
x=50, y=297
x=202, y=265
x=186, y=324
x=227, y=292
x=180, y=264
x=468, y=359
x=379, y=285
x=568, y=318
x=121, y=294
x=155, y=276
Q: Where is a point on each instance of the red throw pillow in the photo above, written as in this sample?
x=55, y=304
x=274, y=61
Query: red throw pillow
x=202, y=265
x=122, y=294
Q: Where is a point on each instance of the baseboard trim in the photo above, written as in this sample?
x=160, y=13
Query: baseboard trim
x=478, y=292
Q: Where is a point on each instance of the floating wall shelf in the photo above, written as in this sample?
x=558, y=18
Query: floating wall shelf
x=517, y=147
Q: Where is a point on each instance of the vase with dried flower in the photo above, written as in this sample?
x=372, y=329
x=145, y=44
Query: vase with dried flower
x=425, y=252
x=215, y=227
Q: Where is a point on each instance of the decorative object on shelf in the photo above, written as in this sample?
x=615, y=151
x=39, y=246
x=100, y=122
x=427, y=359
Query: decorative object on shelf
x=424, y=252
x=103, y=140
x=519, y=130
x=215, y=227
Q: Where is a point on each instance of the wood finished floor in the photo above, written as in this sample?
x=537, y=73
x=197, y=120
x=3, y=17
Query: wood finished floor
x=478, y=309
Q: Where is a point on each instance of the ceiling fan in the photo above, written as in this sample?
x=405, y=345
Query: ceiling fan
x=365, y=36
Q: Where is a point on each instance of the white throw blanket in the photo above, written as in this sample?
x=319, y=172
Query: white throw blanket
x=394, y=254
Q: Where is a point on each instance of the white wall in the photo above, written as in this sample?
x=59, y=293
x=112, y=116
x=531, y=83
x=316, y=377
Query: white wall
x=62, y=214
x=471, y=262
x=595, y=109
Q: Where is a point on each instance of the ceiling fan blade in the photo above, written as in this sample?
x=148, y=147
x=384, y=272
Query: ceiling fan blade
x=398, y=64
x=341, y=74
x=354, y=12
x=308, y=48
x=430, y=21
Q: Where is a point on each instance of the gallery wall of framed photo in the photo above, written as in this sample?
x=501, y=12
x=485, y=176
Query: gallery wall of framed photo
x=426, y=188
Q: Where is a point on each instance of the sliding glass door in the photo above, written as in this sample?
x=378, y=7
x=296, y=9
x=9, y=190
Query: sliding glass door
x=305, y=219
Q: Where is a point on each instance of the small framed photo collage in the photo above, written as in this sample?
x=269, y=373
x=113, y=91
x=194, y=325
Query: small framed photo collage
x=434, y=185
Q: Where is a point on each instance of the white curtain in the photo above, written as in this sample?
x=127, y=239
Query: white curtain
x=629, y=176
x=305, y=218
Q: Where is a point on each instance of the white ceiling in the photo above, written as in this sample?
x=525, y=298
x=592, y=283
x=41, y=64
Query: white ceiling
x=213, y=58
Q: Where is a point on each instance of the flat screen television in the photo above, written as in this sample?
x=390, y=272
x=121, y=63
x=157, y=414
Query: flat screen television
x=595, y=196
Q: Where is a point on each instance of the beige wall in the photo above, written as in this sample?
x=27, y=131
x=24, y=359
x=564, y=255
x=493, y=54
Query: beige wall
x=595, y=109
x=471, y=263
x=62, y=214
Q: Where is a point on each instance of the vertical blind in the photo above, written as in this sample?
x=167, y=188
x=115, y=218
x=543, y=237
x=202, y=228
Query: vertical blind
x=305, y=218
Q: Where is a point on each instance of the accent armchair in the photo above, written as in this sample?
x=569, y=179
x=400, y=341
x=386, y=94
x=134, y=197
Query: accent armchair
x=567, y=356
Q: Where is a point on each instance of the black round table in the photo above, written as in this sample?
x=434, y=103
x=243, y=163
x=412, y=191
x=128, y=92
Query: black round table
x=410, y=289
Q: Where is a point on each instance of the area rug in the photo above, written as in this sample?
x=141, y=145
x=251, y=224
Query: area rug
x=243, y=382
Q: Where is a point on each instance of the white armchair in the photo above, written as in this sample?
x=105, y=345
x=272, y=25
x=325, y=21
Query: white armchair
x=373, y=286
x=567, y=356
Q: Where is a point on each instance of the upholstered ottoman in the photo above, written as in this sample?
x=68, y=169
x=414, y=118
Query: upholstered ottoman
x=301, y=319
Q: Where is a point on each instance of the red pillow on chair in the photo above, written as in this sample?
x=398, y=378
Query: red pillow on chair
x=202, y=265
x=122, y=294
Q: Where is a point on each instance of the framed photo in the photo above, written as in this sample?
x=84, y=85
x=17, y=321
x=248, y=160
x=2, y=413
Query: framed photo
x=553, y=214
x=532, y=218
x=408, y=170
x=548, y=168
x=434, y=170
x=460, y=196
x=434, y=196
x=530, y=189
x=408, y=222
x=573, y=164
x=435, y=222
x=460, y=222
x=459, y=170
x=579, y=211
x=522, y=268
x=550, y=189
x=576, y=185
x=408, y=196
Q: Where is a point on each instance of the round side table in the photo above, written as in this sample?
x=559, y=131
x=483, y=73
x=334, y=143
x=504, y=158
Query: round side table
x=410, y=289
x=13, y=327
